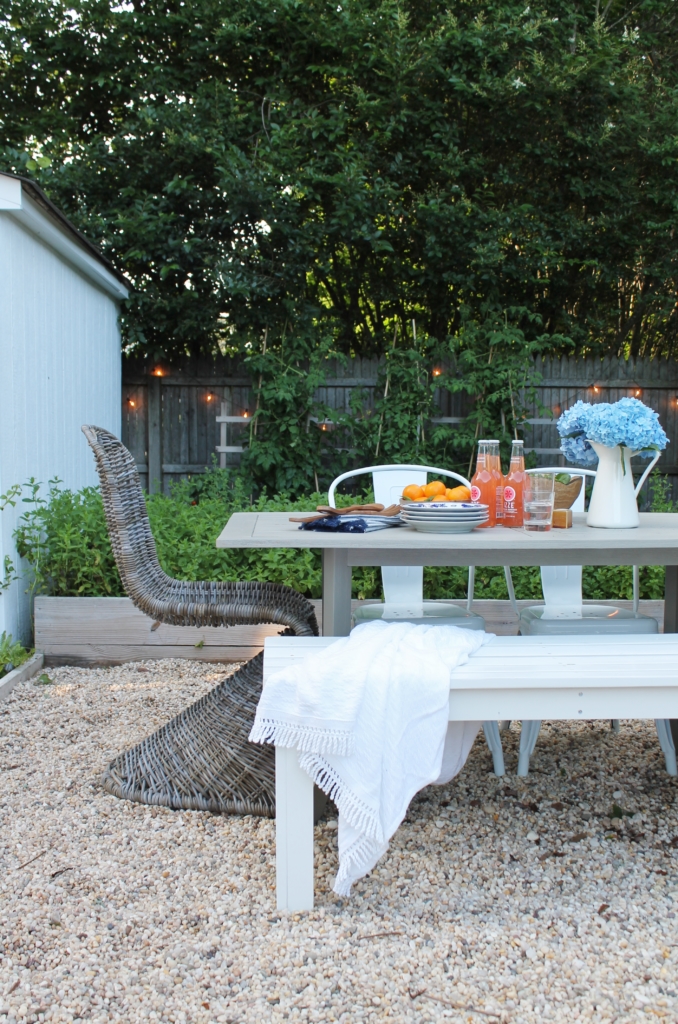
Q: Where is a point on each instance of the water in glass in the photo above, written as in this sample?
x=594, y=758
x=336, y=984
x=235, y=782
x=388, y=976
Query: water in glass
x=538, y=501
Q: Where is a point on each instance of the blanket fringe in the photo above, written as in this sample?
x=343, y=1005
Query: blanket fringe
x=356, y=862
x=303, y=737
x=358, y=815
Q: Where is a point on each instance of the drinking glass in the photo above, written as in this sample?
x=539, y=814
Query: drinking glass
x=538, y=501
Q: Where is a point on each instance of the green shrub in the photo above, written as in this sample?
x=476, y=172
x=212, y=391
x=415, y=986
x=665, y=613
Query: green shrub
x=12, y=654
x=65, y=540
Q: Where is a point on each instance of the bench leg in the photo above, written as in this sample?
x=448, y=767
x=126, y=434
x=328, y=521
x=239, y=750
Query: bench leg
x=666, y=743
x=671, y=623
x=293, y=832
x=528, y=738
x=493, y=740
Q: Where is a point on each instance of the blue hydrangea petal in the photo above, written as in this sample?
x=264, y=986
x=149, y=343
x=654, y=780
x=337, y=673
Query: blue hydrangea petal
x=627, y=422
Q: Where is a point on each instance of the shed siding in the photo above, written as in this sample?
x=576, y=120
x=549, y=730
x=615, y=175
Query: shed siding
x=59, y=368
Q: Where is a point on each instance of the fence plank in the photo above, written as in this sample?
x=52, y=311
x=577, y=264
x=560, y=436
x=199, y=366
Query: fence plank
x=172, y=427
x=155, y=432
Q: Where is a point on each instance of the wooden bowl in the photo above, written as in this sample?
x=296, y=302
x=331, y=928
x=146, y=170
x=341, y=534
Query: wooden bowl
x=566, y=494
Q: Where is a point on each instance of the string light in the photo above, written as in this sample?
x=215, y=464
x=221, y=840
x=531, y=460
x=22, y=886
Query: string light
x=158, y=372
x=638, y=392
x=132, y=403
x=596, y=389
x=245, y=414
x=209, y=398
x=437, y=372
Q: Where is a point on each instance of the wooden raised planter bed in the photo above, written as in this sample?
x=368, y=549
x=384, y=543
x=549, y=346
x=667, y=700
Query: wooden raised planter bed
x=110, y=630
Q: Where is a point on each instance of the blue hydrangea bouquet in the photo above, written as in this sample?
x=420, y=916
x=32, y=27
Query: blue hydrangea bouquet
x=627, y=423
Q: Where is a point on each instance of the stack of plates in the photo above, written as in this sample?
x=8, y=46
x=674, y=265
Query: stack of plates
x=444, y=516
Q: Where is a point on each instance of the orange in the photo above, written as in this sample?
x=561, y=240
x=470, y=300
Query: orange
x=414, y=492
x=460, y=493
x=435, y=488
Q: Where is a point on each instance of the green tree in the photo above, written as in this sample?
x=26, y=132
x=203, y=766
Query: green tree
x=334, y=170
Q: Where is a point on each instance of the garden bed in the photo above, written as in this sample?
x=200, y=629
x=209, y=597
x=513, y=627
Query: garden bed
x=110, y=631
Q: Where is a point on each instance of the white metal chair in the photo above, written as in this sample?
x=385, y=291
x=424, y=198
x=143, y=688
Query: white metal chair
x=404, y=585
x=564, y=613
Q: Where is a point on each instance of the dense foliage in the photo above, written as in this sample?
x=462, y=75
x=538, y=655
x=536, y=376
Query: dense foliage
x=65, y=541
x=323, y=173
x=12, y=654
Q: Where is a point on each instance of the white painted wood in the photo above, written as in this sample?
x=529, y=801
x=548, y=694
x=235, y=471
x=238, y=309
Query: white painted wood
x=535, y=678
x=18, y=675
x=10, y=193
x=654, y=542
x=336, y=594
x=60, y=368
x=32, y=218
x=293, y=832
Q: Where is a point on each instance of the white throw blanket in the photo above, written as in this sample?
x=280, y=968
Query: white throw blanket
x=369, y=716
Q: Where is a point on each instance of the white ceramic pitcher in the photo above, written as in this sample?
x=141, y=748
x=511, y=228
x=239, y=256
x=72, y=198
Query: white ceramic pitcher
x=613, y=503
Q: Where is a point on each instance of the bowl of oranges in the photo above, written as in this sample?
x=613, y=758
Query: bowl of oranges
x=435, y=491
x=435, y=508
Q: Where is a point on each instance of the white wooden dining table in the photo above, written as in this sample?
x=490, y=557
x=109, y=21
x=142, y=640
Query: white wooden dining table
x=654, y=542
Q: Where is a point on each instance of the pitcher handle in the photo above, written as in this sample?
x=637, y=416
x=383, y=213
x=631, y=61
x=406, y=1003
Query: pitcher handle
x=650, y=466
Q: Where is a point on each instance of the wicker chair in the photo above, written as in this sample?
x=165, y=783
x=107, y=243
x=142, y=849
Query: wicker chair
x=202, y=758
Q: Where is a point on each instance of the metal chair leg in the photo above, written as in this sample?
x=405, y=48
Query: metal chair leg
x=470, y=590
x=511, y=591
x=666, y=743
x=528, y=738
x=493, y=739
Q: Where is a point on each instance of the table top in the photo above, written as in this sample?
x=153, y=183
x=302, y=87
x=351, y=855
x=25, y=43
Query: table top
x=654, y=542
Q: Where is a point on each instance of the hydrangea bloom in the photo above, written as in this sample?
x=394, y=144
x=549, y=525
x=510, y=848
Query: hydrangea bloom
x=627, y=422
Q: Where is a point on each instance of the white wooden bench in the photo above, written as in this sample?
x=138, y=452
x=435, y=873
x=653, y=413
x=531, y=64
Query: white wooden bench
x=515, y=678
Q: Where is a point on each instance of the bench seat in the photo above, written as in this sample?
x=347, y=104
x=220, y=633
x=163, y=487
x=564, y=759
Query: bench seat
x=515, y=678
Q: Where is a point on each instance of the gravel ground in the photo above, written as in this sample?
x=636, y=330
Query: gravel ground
x=498, y=900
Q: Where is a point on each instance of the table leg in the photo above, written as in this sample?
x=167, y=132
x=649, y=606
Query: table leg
x=336, y=593
x=671, y=622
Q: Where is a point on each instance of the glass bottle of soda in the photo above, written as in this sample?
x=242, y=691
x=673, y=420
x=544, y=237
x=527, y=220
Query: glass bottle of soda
x=513, y=487
x=495, y=469
x=483, y=484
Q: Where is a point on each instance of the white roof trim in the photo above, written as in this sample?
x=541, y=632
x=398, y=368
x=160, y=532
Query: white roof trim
x=10, y=193
x=16, y=203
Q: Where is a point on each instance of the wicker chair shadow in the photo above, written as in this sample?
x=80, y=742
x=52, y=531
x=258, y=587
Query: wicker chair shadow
x=201, y=759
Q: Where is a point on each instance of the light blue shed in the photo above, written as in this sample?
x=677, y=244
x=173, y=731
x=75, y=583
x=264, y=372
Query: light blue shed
x=59, y=358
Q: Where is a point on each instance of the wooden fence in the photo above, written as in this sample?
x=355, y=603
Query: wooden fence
x=176, y=419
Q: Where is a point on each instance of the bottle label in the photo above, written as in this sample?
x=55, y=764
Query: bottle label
x=509, y=494
x=475, y=493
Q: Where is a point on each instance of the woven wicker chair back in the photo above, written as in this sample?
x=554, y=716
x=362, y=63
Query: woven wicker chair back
x=179, y=602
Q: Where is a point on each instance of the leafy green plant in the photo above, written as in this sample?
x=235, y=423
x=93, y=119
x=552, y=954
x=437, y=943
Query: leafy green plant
x=12, y=654
x=9, y=572
x=65, y=540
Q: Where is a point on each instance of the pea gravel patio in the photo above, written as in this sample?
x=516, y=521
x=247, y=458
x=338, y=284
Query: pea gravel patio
x=499, y=899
